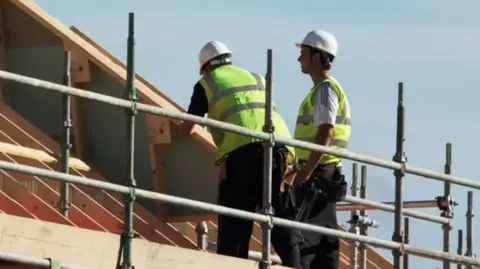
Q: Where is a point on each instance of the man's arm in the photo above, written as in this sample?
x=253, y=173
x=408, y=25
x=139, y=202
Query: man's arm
x=198, y=107
x=325, y=107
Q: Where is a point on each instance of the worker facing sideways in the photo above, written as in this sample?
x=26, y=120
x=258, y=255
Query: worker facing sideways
x=234, y=95
x=323, y=118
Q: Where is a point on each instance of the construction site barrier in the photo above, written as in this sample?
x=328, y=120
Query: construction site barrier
x=267, y=219
x=226, y=211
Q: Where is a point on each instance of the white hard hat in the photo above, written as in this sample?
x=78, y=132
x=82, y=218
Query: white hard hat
x=211, y=50
x=321, y=40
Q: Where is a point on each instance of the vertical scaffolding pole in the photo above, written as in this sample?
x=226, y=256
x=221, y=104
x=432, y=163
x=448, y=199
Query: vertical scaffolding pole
x=130, y=94
x=202, y=231
x=363, y=228
x=407, y=241
x=66, y=145
x=460, y=246
x=399, y=157
x=448, y=213
x=267, y=169
x=353, y=227
x=469, y=214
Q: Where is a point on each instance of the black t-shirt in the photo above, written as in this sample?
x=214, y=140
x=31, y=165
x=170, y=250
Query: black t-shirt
x=198, y=102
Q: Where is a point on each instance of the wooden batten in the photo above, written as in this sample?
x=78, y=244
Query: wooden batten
x=159, y=133
x=80, y=65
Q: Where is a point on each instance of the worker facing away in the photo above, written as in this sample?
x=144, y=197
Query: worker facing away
x=323, y=118
x=233, y=95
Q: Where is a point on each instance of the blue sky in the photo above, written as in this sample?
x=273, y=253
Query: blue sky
x=432, y=46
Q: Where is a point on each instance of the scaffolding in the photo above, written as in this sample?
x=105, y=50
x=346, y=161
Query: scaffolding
x=360, y=222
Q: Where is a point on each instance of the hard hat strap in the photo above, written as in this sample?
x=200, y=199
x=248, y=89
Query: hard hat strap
x=220, y=61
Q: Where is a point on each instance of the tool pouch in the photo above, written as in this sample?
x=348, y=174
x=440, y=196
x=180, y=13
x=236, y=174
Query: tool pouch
x=309, y=195
x=318, y=190
x=334, y=190
x=284, y=204
x=288, y=203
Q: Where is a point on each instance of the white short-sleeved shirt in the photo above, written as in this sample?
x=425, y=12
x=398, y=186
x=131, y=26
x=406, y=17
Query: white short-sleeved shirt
x=325, y=106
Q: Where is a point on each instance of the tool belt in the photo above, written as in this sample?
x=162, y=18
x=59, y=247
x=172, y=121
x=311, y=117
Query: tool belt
x=297, y=202
x=320, y=190
x=334, y=190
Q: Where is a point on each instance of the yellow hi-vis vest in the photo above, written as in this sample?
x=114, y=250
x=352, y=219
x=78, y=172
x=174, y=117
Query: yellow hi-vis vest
x=237, y=96
x=304, y=129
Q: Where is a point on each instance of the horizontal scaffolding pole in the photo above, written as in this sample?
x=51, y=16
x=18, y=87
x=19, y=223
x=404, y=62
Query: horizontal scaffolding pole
x=406, y=204
x=417, y=251
x=391, y=208
x=42, y=263
x=239, y=130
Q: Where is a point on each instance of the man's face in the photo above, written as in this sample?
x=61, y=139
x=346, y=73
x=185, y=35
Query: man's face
x=305, y=60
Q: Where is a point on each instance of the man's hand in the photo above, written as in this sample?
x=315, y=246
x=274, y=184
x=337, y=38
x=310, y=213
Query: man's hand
x=289, y=178
x=302, y=177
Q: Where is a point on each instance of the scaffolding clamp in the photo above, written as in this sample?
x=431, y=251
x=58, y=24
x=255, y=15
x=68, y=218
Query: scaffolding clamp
x=446, y=204
x=363, y=221
x=398, y=237
x=65, y=205
x=131, y=195
x=401, y=159
x=269, y=129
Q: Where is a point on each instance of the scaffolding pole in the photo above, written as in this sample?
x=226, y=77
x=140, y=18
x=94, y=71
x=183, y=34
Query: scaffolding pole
x=353, y=226
x=398, y=164
x=363, y=213
x=406, y=204
x=448, y=209
x=389, y=208
x=42, y=263
x=469, y=215
x=267, y=169
x=130, y=182
x=228, y=127
x=226, y=211
x=66, y=144
x=400, y=158
x=460, y=246
x=407, y=241
x=202, y=233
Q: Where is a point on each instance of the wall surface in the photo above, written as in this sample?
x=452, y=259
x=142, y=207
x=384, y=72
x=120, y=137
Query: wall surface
x=190, y=173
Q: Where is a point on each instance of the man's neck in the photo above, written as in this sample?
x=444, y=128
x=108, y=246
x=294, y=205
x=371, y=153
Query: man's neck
x=318, y=76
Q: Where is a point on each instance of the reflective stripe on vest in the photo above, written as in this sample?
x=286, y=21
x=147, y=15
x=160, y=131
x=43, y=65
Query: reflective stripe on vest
x=217, y=96
x=305, y=118
x=305, y=130
x=222, y=107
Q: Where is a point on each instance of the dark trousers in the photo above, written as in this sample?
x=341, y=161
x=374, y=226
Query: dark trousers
x=317, y=250
x=243, y=189
x=307, y=250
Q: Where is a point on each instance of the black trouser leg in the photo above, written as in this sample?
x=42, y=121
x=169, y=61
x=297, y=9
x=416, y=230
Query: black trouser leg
x=233, y=233
x=286, y=243
x=320, y=251
x=241, y=190
x=284, y=240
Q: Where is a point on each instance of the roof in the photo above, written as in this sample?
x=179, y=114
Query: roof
x=34, y=197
